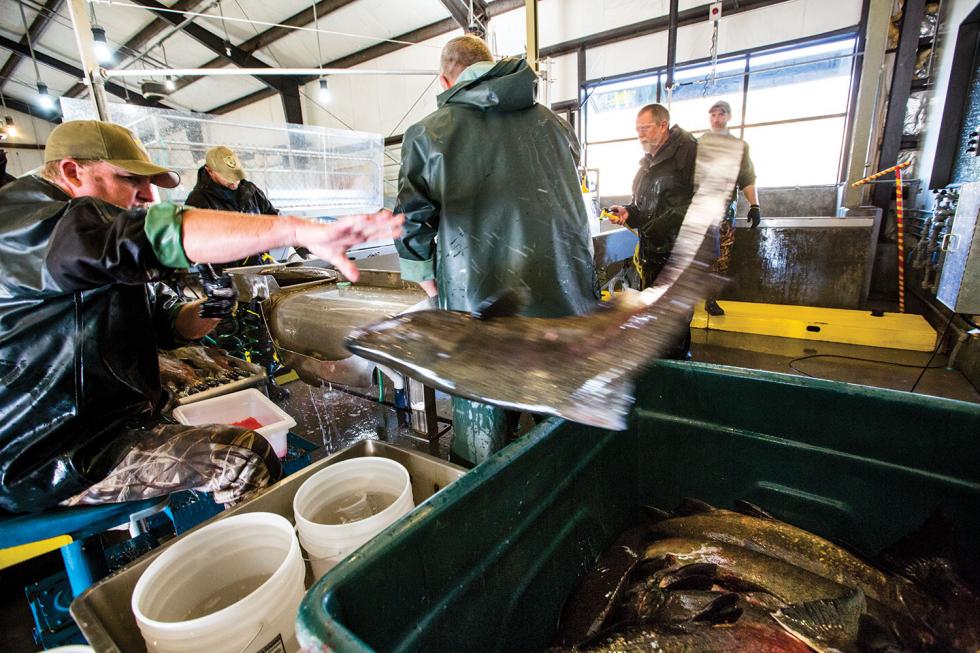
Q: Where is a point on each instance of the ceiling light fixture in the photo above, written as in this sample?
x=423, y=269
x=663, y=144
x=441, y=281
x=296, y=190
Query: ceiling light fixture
x=44, y=99
x=324, y=93
x=102, y=51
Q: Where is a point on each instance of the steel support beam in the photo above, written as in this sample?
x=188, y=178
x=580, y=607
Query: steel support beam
x=213, y=42
x=6, y=145
x=35, y=30
x=271, y=35
x=898, y=98
x=69, y=69
x=140, y=39
x=671, y=47
x=460, y=11
x=25, y=107
x=292, y=107
x=955, y=105
x=531, y=18
x=852, y=95
x=430, y=31
x=875, y=43
x=86, y=53
x=288, y=89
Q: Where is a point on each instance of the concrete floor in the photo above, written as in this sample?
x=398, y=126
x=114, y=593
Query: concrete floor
x=892, y=368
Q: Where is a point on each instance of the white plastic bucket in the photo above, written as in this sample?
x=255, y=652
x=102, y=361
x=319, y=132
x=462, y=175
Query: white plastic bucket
x=348, y=484
x=252, y=561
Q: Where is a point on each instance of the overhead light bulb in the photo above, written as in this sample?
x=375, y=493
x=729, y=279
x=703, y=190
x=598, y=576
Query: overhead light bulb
x=170, y=84
x=324, y=94
x=11, y=128
x=102, y=51
x=44, y=99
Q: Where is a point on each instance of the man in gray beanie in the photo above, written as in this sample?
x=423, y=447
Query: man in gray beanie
x=719, y=114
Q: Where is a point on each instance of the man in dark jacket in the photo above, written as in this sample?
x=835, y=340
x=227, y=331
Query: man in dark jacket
x=662, y=189
x=221, y=185
x=80, y=389
x=5, y=177
x=492, y=174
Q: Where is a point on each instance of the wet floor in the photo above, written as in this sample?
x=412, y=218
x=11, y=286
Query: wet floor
x=873, y=366
x=335, y=417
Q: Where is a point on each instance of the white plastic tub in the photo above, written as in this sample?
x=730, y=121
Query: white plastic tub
x=236, y=407
x=347, y=484
x=234, y=586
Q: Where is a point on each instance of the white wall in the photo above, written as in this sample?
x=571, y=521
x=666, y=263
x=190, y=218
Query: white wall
x=29, y=130
x=380, y=104
x=264, y=111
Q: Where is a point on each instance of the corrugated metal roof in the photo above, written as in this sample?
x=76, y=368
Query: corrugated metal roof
x=371, y=19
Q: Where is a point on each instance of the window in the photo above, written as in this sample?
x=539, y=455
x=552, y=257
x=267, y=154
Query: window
x=789, y=104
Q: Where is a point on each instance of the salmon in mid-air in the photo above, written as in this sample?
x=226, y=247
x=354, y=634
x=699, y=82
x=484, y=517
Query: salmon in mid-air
x=581, y=368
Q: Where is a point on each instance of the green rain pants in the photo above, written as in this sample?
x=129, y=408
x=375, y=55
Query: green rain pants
x=478, y=430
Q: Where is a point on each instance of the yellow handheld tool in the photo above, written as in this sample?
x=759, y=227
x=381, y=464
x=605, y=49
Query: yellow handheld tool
x=637, y=264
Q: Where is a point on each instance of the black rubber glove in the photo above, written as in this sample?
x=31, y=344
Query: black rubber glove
x=221, y=296
x=754, y=216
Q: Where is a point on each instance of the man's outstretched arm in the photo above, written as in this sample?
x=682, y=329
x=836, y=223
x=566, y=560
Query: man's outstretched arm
x=221, y=236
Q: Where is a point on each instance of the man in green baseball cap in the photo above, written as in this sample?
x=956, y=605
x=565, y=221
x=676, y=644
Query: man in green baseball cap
x=81, y=317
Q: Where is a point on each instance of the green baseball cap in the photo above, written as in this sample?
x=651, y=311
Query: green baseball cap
x=225, y=162
x=105, y=141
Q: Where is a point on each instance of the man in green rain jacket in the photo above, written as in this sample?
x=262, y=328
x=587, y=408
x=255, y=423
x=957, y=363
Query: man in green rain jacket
x=492, y=202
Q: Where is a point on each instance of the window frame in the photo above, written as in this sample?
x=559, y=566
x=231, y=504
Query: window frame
x=658, y=73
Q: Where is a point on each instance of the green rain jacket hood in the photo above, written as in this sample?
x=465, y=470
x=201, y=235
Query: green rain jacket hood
x=493, y=174
x=508, y=86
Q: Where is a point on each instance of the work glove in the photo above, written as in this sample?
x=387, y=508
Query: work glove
x=221, y=296
x=754, y=216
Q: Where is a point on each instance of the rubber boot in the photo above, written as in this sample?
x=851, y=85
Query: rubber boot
x=478, y=430
x=712, y=308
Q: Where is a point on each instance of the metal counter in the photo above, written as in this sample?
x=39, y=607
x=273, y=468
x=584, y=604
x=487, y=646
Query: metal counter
x=612, y=244
x=103, y=611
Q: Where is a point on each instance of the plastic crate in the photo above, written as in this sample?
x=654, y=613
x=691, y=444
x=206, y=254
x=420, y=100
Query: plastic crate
x=236, y=407
x=488, y=564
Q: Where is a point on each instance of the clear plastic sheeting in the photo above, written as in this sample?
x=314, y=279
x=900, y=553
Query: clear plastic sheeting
x=304, y=170
x=915, y=114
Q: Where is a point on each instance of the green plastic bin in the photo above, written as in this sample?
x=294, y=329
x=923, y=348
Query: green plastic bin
x=486, y=564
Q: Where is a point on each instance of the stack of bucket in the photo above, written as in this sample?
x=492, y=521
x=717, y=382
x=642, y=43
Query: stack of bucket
x=235, y=586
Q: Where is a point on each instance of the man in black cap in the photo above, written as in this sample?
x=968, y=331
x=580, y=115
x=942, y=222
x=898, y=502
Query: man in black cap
x=80, y=397
x=221, y=185
x=719, y=114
